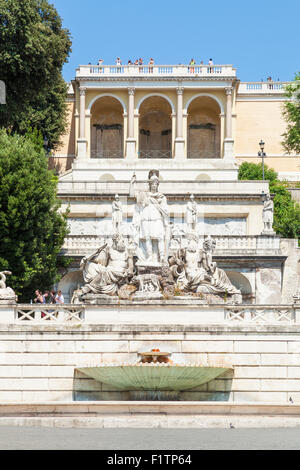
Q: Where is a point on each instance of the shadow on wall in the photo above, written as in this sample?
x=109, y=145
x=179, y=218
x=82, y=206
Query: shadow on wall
x=69, y=283
x=87, y=389
x=242, y=283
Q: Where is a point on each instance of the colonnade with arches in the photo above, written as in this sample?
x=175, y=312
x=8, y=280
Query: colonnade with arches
x=155, y=125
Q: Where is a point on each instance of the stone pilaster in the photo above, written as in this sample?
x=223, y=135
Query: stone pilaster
x=179, y=140
x=228, y=141
x=81, y=141
x=130, y=141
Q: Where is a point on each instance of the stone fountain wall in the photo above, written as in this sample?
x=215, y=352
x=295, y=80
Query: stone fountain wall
x=38, y=359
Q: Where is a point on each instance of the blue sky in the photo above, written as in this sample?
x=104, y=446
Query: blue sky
x=260, y=38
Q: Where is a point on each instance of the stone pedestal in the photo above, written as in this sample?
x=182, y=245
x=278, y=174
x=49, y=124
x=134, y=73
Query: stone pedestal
x=81, y=148
x=268, y=233
x=179, y=148
x=228, y=149
x=130, y=148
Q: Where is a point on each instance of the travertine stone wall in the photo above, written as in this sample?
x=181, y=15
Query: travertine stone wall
x=257, y=120
x=38, y=362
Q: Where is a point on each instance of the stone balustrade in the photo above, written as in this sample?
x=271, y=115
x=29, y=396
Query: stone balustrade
x=155, y=70
x=261, y=314
x=181, y=311
x=261, y=87
x=40, y=313
x=233, y=244
x=206, y=188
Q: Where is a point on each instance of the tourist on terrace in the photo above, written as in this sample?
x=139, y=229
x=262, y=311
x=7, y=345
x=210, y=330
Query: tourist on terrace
x=118, y=64
x=100, y=62
x=151, y=63
x=140, y=64
x=48, y=297
x=39, y=299
x=59, y=299
x=129, y=62
x=270, y=83
x=210, y=63
x=192, y=63
x=136, y=62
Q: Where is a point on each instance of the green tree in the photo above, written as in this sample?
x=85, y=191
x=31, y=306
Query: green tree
x=291, y=112
x=286, y=211
x=32, y=230
x=34, y=48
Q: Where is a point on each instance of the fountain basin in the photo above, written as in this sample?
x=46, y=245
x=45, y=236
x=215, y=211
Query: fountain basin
x=153, y=376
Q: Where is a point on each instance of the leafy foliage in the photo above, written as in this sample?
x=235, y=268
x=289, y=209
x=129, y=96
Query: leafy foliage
x=286, y=211
x=32, y=230
x=34, y=47
x=291, y=112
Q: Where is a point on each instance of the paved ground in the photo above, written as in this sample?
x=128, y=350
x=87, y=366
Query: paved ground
x=20, y=438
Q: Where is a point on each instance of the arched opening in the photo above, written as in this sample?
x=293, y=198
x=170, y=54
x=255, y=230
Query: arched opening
x=243, y=284
x=203, y=177
x=107, y=128
x=69, y=283
x=204, y=128
x=155, y=128
x=107, y=177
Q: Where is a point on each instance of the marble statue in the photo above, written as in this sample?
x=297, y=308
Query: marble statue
x=151, y=220
x=177, y=234
x=191, y=214
x=117, y=214
x=106, y=269
x=7, y=295
x=185, y=265
x=268, y=214
x=195, y=271
x=219, y=281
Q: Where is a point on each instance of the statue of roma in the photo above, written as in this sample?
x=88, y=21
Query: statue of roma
x=151, y=220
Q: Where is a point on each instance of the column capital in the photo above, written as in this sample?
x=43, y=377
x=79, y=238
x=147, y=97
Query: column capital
x=82, y=90
x=179, y=90
x=131, y=91
x=228, y=90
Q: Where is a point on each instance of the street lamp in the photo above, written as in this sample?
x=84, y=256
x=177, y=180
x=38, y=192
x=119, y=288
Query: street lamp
x=262, y=155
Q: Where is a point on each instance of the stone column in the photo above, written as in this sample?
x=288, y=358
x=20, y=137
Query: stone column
x=130, y=141
x=179, y=141
x=81, y=141
x=228, y=141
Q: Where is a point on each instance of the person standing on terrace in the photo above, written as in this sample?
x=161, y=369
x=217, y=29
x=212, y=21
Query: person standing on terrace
x=192, y=63
x=140, y=64
x=210, y=64
x=151, y=63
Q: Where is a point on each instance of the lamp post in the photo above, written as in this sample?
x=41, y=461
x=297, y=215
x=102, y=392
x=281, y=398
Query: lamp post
x=262, y=155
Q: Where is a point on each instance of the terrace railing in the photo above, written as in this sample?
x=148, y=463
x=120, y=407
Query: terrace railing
x=262, y=87
x=44, y=313
x=155, y=154
x=155, y=70
x=107, y=154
